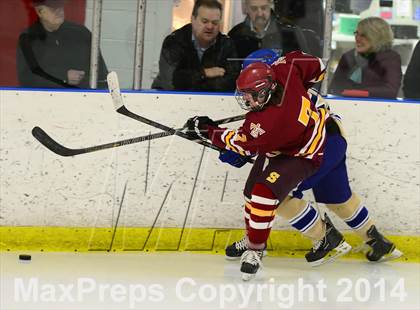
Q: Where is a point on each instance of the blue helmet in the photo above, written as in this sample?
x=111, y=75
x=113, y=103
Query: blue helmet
x=265, y=55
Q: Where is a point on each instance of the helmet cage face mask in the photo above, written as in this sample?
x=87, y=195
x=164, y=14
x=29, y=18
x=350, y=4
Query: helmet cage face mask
x=260, y=95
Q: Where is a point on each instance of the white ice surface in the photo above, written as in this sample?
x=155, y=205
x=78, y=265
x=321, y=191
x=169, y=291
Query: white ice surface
x=200, y=281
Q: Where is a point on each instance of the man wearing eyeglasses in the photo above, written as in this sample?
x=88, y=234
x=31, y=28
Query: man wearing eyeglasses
x=261, y=29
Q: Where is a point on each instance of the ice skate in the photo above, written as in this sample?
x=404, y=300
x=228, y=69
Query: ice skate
x=236, y=249
x=250, y=263
x=329, y=248
x=380, y=248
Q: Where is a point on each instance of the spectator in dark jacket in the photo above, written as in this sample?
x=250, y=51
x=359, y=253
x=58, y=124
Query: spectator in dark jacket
x=197, y=56
x=372, y=69
x=54, y=53
x=412, y=75
x=261, y=29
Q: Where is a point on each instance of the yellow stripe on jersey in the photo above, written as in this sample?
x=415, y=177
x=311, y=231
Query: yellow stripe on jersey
x=263, y=213
x=322, y=70
x=228, y=141
x=320, y=77
x=319, y=134
x=229, y=137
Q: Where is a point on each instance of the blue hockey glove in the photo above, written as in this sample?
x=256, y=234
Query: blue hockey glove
x=233, y=158
x=198, y=126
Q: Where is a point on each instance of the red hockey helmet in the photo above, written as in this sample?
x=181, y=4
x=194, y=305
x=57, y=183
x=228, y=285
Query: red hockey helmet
x=254, y=86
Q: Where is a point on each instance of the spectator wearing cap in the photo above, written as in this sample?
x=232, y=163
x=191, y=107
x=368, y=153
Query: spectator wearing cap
x=55, y=53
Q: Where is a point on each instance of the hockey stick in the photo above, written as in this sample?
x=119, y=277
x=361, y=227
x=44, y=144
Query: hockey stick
x=61, y=150
x=114, y=89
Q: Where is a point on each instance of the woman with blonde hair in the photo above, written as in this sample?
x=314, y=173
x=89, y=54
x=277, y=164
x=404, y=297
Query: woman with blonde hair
x=372, y=68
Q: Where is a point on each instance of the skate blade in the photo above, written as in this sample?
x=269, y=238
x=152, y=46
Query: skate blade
x=340, y=250
x=247, y=276
x=391, y=256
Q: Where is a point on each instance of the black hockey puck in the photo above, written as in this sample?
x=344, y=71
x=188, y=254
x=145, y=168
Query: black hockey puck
x=25, y=257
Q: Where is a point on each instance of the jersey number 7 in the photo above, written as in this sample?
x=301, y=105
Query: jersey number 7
x=306, y=112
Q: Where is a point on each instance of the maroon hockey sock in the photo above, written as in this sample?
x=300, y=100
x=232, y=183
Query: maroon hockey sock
x=247, y=212
x=263, y=206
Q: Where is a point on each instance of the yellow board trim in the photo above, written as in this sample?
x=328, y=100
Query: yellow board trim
x=206, y=240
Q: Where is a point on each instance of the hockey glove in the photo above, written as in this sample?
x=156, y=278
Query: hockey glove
x=198, y=126
x=232, y=158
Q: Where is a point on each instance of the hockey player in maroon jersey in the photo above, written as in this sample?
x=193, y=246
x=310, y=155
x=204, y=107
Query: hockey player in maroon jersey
x=330, y=184
x=287, y=134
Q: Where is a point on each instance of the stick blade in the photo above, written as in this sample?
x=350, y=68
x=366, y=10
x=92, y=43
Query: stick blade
x=114, y=89
x=51, y=144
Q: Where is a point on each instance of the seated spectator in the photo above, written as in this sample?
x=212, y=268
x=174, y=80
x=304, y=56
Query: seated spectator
x=196, y=56
x=261, y=29
x=55, y=53
x=372, y=68
x=411, y=86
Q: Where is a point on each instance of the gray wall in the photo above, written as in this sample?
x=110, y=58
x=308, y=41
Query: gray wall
x=118, y=36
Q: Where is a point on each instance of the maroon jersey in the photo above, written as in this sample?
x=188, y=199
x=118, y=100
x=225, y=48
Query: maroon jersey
x=291, y=126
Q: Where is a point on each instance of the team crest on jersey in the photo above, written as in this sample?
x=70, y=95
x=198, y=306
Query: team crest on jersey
x=256, y=130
